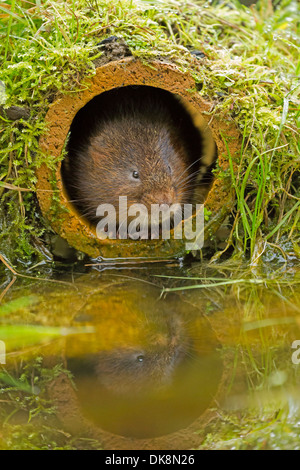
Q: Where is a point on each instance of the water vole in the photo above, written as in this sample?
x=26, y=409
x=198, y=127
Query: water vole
x=137, y=142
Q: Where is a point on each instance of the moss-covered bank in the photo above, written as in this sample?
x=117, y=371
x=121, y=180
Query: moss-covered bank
x=246, y=60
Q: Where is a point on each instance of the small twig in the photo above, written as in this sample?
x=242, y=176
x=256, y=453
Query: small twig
x=7, y=265
x=290, y=195
x=16, y=274
x=13, y=187
x=280, y=249
x=7, y=288
x=125, y=261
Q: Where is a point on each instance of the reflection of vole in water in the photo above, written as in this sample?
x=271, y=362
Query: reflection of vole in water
x=131, y=370
x=150, y=365
x=142, y=366
x=137, y=142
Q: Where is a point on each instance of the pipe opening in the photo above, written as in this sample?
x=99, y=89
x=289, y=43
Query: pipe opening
x=142, y=142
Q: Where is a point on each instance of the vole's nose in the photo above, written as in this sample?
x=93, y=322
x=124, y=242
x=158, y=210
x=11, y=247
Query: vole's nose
x=165, y=197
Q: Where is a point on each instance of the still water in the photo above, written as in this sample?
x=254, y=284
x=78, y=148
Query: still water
x=151, y=356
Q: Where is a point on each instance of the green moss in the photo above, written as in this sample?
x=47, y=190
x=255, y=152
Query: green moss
x=28, y=418
x=268, y=429
x=250, y=69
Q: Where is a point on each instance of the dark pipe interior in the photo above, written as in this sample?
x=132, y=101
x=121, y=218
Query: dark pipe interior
x=96, y=110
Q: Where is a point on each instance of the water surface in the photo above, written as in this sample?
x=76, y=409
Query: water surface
x=152, y=356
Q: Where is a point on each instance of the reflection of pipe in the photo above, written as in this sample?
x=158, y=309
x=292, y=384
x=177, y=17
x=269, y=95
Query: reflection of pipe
x=147, y=376
x=52, y=198
x=2, y=353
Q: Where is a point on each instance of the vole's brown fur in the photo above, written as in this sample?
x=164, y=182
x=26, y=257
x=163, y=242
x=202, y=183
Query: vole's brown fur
x=133, y=141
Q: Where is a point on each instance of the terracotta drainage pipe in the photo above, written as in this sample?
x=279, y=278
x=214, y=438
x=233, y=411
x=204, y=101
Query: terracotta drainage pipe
x=52, y=197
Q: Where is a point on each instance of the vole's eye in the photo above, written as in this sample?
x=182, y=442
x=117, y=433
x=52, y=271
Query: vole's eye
x=135, y=174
